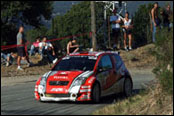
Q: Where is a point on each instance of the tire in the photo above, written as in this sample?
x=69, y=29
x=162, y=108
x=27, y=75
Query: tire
x=96, y=93
x=127, y=89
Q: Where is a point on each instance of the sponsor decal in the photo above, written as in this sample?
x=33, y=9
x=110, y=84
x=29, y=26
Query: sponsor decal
x=85, y=90
x=84, y=87
x=57, y=89
x=60, y=77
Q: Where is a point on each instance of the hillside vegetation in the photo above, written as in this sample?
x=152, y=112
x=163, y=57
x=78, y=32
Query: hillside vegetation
x=158, y=98
x=150, y=102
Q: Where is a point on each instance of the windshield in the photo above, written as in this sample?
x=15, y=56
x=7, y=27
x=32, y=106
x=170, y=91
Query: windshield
x=76, y=63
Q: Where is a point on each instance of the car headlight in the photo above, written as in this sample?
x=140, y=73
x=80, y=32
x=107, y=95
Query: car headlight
x=44, y=78
x=41, y=87
x=43, y=81
x=79, y=81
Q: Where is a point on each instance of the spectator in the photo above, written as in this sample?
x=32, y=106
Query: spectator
x=47, y=48
x=35, y=46
x=166, y=14
x=8, y=58
x=72, y=46
x=155, y=20
x=21, y=41
x=115, y=20
x=127, y=29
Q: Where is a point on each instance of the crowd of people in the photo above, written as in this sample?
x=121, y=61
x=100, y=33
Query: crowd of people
x=116, y=20
x=43, y=47
x=116, y=29
x=163, y=22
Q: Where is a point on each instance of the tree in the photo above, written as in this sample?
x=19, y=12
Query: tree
x=78, y=20
x=14, y=13
x=36, y=32
x=141, y=30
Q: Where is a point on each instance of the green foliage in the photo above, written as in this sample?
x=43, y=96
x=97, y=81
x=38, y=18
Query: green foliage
x=8, y=34
x=29, y=12
x=142, y=24
x=76, y=21
x=164, y=56
x=14, y=13
x=32, y=34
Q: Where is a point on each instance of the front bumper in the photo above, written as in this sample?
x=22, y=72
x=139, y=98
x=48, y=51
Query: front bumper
x=75, y=94
x=72, y=97
x=57, y=99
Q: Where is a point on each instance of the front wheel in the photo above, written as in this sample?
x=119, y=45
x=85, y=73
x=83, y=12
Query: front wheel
x=96, y=93
x=127, y=90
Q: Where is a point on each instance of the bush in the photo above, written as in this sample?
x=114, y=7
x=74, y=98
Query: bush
x=164, y=56
x=32, y=34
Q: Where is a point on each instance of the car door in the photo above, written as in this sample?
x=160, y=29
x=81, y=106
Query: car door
x=119, y=66
x=105, y=73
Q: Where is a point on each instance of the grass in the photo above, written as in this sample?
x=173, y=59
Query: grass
x=151, y=101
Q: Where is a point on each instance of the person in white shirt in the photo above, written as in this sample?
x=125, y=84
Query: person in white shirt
x=46, y=47
x=127, y=29
x=115, y=21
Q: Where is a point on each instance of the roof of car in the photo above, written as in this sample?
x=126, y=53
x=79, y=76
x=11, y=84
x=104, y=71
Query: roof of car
x=92, y=53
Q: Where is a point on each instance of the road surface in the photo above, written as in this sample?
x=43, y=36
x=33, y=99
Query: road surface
x=17, y=97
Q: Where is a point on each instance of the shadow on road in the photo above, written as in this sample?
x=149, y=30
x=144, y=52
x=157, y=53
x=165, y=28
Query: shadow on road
x=104, y=100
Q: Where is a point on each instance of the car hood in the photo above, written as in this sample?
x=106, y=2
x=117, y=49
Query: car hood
x=64, y=75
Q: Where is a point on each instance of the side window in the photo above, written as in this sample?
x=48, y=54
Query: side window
x=118, y=61
x=105, y=63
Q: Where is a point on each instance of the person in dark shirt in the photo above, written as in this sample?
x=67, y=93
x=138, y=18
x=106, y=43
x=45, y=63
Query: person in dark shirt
x=166, y=14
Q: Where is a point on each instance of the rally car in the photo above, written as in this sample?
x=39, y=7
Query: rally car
x=85, y=76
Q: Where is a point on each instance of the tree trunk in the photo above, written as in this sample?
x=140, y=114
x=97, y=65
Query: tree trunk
x=93, y=26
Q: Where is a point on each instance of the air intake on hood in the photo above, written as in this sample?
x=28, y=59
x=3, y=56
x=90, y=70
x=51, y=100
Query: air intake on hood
x=60, y=83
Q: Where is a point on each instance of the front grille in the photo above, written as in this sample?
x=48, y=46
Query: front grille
x=60, y=83
x=57, y=95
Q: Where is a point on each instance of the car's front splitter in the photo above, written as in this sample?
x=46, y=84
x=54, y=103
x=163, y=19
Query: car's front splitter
x=57, y=99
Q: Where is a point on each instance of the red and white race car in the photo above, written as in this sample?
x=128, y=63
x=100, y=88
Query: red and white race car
x=83, y=77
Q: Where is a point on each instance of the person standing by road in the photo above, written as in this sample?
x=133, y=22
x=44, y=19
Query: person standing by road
x=155, y=20
x=21, y=42
x=166, y=15
x=115, y=20
x=127, y=29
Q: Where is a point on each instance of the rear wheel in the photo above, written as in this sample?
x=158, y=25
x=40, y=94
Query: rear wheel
x=127, y=90
x=96, y=93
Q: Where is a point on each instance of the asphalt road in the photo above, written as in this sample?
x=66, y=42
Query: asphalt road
x=18, y=98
